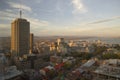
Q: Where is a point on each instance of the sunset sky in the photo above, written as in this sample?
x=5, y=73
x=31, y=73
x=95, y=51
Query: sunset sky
x=63, y=17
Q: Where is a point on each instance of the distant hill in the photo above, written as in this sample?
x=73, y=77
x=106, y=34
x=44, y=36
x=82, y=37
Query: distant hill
x=56, y=37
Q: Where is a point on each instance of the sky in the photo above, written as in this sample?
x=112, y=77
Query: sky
x=63, y=17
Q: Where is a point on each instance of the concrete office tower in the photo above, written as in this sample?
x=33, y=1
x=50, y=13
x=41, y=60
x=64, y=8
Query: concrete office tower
x=31, y=42
x=20, y=37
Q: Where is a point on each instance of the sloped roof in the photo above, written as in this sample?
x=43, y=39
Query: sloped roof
x=89, y=63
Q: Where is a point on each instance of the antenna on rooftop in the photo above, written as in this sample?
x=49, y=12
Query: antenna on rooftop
x=20, y=13
x=20, y=9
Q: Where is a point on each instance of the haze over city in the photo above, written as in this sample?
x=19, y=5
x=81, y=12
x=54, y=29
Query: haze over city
x=64, y=17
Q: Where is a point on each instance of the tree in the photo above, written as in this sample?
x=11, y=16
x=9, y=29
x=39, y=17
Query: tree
x=67, y=65
x=110, y=56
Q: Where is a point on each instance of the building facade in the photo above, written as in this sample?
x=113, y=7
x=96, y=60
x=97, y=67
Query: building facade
x=31, y=42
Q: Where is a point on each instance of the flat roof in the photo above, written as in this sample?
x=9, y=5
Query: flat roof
x=10, y=75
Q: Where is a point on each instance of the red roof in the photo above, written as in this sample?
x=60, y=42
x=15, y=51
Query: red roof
x=59, y=66
x=46, y=69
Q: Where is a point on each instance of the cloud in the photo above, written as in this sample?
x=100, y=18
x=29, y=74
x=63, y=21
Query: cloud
x=38, y=23
x=18, y=6
x=7, y=15
x=4, y=25
x=79, y=6
x=37, y=26
x=92, y=30
x=9, y=10
x=38, y=1
x=4, y=30
x=105, y=20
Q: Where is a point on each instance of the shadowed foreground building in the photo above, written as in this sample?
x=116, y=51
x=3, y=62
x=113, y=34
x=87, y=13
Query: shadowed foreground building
x=20, y=35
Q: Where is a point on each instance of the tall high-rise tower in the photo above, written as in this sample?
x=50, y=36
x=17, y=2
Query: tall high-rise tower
x=20, y=36
x=31, y=42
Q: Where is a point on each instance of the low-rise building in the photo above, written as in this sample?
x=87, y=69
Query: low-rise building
x=109, y=70
x=10, y=73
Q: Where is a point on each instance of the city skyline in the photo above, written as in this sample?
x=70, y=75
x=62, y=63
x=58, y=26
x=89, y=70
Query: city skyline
x=64, y=17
